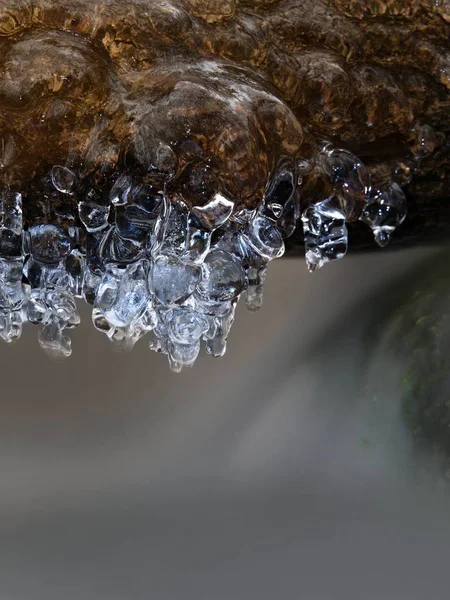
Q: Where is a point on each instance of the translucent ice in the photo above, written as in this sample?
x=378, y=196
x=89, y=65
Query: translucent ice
x=12, y=298
x=108, y=290
x=45, y=276
x=120, y=191
x=113, y=247
x=10, y=243
x=166, y=268
x=213, y=215
x=279, y=198
x=263, y=235
x=255, y=290
x=11, y=284
x=61, y=303
x=11, y=222
x=159, y=227
x=348, y=176
x=91, y=282
x=123, y=294
x=187, y=326
x=223, y=277
x=176, y=225
x=48, y=243
x=140, y=215
x=37, y=308
x=11, y=326
x=52, y=340
x=125, y=338
x=172, y=281
x=325, y=234
x=11, y=217
x=217, y=345
x=63, y=179
x=198, y=243
x=182, y=355
x=148, y=200
x=385, y=211
x=76, y=267
x=93, y=216
x=100, y=322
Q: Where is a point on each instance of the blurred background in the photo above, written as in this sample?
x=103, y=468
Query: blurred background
x=312, y=461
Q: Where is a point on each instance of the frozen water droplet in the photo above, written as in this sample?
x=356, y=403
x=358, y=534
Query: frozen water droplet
x=149, y=319
x=231, y=240
x=63, y=179
x=172, y=281
x=120, y=191
x=198, y=243
x=91, y=282
x=52, y=340
x=32, y=270
x=349, y=177
x=129, y=227
x=10, y=244
x=148, y=200
x=62, y=305
x=76, y=266
x=425, y=140
x=93, y=216
x=182, y=355
x=158, y=232
x=212, y=327
x=108, y=289
x=279, y=198
x=213, y=215
x=187, y=326
x=48, y=243
x=255, y=290
x=158, y=344
x=94, y=250
x=100, y=322
x=246, y=215
x=175, y=230
x=56, y=276
x=11, y=223
x=46, y=276
x=345, y=170
x=276, y=209
x=264, y=237
x=11, y=283
x=403, y=172
x=223, y=277
x=36, y=309
x=124, y=338
x=217, y=346
x=11, y=217
x=115, y=248
x=134, y=294
x=123, y=294
x=11, y=326
x=385, y=211
x=325, y=234
x=209, y=308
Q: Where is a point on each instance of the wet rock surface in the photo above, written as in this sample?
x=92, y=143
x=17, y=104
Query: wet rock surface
x=201, y=96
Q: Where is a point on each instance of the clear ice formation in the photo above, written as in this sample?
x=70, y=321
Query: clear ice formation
x=325, y=233
x=385, y=211
x=150, y=265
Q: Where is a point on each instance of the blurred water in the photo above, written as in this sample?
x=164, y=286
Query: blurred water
x=288, y=469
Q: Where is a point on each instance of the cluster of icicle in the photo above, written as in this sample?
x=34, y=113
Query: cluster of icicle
x=152, y=266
